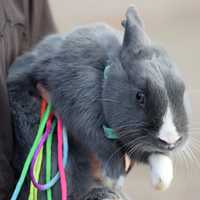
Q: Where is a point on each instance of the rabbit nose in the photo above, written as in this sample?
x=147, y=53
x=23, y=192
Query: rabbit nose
x=172, y=145
x=170, y=138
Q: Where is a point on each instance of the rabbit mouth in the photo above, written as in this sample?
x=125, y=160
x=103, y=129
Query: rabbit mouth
x=164, y=146
x=143, y=149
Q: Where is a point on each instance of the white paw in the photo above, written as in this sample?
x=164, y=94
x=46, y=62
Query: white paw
x=161, y=168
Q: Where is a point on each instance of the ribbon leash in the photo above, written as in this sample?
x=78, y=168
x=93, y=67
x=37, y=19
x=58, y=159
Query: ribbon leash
x=33, y=191
x=55, y=179
x=48, y=163
x=49, y=128
x=35, y=157
x=30, y=155
x=63, y=181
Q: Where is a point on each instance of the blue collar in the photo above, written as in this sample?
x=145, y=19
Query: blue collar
x=109, y=132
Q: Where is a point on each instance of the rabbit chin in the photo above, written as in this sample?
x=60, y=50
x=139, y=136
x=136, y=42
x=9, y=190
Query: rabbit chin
x=161, y=171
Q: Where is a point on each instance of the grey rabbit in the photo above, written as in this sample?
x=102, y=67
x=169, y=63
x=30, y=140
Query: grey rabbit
x=141, y=97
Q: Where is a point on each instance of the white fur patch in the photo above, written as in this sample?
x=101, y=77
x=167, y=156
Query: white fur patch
x=168, y=132
x=120, y=182
x=161, y=171
x=113, y=183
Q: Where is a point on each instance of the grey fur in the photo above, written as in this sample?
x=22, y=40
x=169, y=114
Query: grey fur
x=70, y=66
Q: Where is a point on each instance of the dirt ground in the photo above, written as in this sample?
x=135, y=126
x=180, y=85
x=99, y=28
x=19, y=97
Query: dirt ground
x=174, y=24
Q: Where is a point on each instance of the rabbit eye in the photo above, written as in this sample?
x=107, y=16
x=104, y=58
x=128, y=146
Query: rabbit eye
x=140, y=97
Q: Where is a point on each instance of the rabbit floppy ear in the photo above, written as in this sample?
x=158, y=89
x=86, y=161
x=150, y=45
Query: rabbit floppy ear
x=135, y=37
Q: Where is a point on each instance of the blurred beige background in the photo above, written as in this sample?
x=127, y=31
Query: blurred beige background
x=175, y=24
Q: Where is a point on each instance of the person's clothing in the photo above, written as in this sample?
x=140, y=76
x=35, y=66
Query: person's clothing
x=22, y=24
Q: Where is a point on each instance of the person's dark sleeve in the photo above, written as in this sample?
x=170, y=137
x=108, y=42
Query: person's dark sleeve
x=38, y=19
x=22, y=24
x=6, y=145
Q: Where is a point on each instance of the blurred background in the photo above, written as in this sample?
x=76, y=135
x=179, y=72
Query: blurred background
x=175, y=24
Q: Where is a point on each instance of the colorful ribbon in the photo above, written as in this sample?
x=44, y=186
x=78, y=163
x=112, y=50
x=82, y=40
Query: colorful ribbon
x=63, y=181
x=53, y=181
x=36, y=155
x=25, y=169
